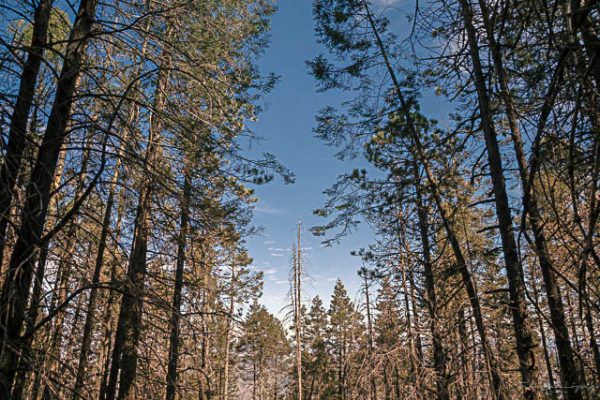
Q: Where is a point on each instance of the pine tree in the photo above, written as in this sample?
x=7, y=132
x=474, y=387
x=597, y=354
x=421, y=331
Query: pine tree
x=263, y=351
x=344, y=331
x=317, y=364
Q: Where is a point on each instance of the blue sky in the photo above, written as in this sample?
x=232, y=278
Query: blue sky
x=286, y=125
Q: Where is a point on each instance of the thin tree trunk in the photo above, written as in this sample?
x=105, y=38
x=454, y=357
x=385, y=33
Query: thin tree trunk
x=86, y=339
x=124, y=357
x=298, y=310
x=112, y=308
x=176, y=303
x=547, y=359
x=65, y=272
x=386, y=384
x=397, y=390
x=414, y=364
x=228, y=335
x=373, y=392
x=439, y=357
x=205, y=393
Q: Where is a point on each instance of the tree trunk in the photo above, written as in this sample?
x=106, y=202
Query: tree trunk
x=439, y=357
x=65, y=272
x=514, y=269
x=496, y=380
x=297, y=311
x=373, y=392
x=228, y=336
x=176, y=304
x=124, y=358
x=569, y=376
x=17, y=134
x=86, y=339
x=15, y=292
x=36, y=295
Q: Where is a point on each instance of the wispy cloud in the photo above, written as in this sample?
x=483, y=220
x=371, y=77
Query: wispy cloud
x=268, y=209
x=270, y=271
x=276, y=255
x=385, y=2
x=267, y=242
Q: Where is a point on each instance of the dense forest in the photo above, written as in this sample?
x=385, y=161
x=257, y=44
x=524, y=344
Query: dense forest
x=127, y=194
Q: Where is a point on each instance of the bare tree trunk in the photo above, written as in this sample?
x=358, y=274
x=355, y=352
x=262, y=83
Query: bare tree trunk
x=386, y=383
x=298, y=310
x=579, y=362
x=397, y=388
x=86, y=339
x=65, y=272
x=176, y=303
x=373, y=392
x=22, y=263
x=17, y=134
x=228, y=335
x=547, y=359
x=112, y=309
x=439, y=357
x=414, y=363
x=205, y=391
x=124, y=357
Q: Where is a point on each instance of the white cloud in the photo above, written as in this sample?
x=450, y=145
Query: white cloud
x=270, y=271
x=267, y=242
x=385, y=2
x=276, y=255
x=266, y=208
